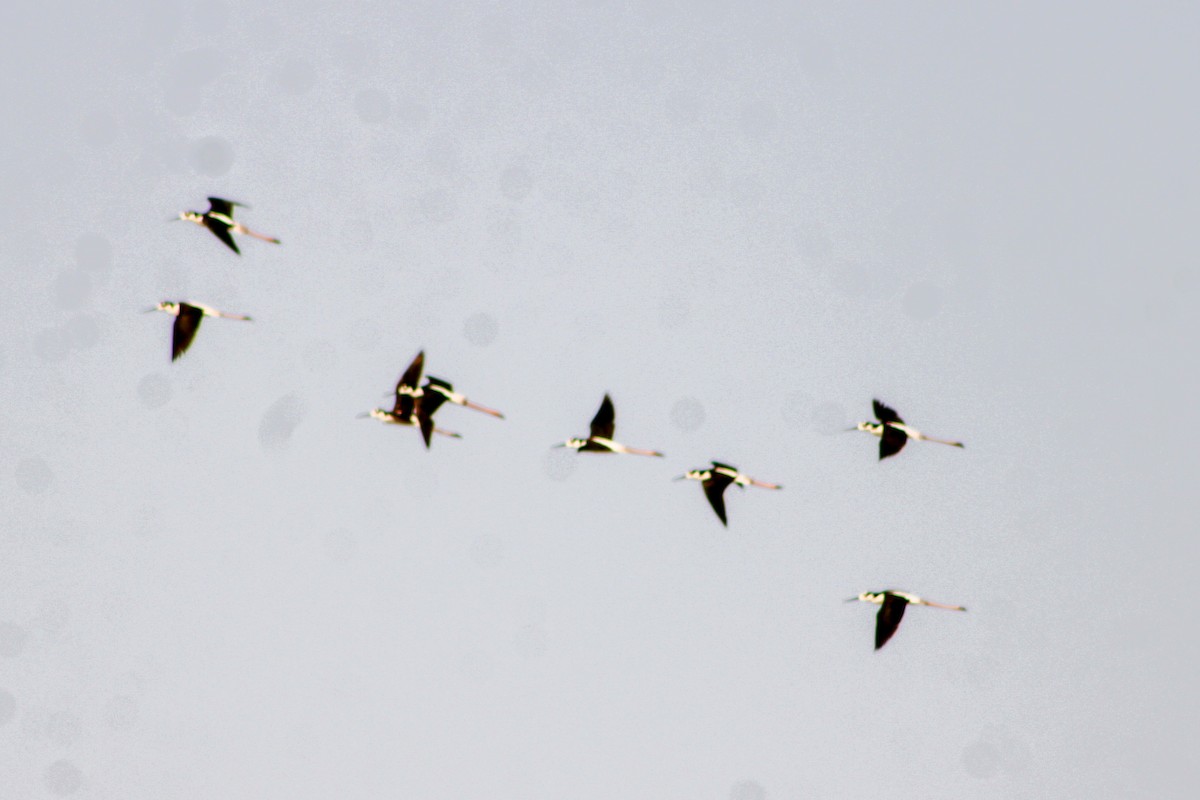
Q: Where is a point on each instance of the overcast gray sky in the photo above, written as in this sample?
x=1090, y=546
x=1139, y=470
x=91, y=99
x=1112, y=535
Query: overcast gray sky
x=743, y=223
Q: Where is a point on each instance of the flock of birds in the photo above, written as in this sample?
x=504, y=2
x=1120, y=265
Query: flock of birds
x=414, y=405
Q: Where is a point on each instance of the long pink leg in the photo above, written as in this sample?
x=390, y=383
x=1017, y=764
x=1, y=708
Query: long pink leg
x=764, y=484
x=451, y=434
x=637, y=451
x=484, y=409
x=942, y=605
x=239, y=228
x=942, y=441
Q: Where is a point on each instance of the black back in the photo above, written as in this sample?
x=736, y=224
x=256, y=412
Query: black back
x=888, y=618
x=184, y=329
x=885, y=414
x=714, y=490
x=604, y=423
x=891, y=441
x=437, y=386
x=406, y=401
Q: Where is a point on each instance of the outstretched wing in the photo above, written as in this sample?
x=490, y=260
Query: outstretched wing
x=885, y=414
x=428, y=402
x=714, y=490
x=888, y=618
x=184, y=330
x=604, y=423
x=221, y=231
x=412, y=376
x=217, y=205
x=432, y=396
x=407, y=390
x=426, y=423
x=891, y=441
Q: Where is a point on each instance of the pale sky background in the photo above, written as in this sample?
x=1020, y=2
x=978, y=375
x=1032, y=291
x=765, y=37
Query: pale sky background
x=742, y=221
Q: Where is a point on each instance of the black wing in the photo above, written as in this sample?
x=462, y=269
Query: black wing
x=216, y=205
x=184, y=330
x=221, y=231
x=885, y=414
x=604, y=423
x=407, y=387
x=888, y=618
x=411, y=378
x=714, y=490
x=719, y=465
x=433, y=396
x=428, y=403
x=891, y=441
x=426, y=423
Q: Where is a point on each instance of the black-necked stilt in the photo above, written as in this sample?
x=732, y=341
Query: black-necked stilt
x=891, y=610
x=448, y=394
x=412, y=405
x=600, y=439
x=892, y=431
x=716, y=479
x=219, y=220
x=187, y=321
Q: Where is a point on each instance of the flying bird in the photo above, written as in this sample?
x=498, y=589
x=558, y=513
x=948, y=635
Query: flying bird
x=716, y=480
x=600, y=439
x=412, y=405
x=891, y=610
x=892, y=432
x=219, y=220
x=187, y=321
